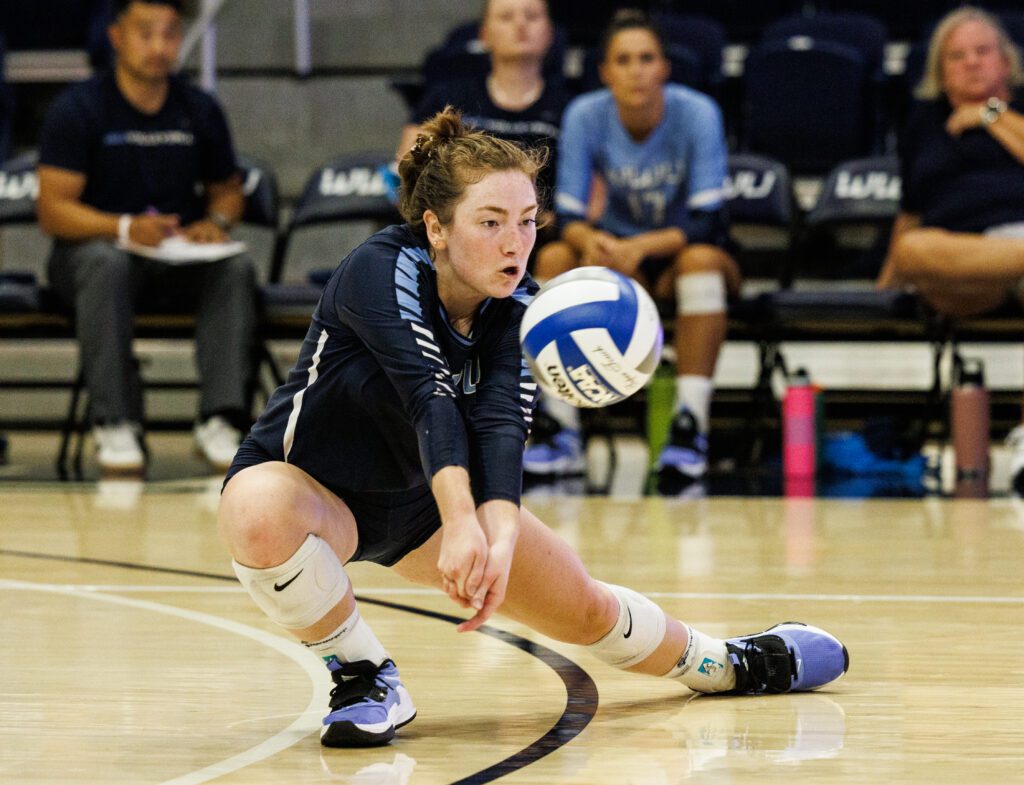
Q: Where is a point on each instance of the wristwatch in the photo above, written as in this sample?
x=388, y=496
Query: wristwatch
x=991, y=111
x=220, y=221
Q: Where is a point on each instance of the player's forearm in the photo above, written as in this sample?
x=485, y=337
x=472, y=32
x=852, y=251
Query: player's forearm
x=73, y=220
x=454, y=496
x=500, y=521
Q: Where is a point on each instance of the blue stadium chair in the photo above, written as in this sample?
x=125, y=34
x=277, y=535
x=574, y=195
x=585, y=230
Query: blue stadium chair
x=807, y=104
x=350, y=189
x=1013, y=21
x=905, y=19
x=846, y=237
x=20, y=291
x=702, y=34
x=761, y=214
x=866, y=34
x=6, y=105
x=743, y=20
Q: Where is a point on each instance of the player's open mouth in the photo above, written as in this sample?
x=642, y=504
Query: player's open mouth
x=510, y=271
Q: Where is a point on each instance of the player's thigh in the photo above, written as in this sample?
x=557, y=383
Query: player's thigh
x=267, y=510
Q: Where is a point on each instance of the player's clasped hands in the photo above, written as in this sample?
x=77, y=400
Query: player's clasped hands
x=474, y=573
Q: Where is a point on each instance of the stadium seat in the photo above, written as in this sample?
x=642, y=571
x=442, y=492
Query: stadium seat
x=807, y=104
x=347, y=199
x=760, y=194
x=705, y=36
x=6, y=105
x=864, y=33
x=742, y=20
x=906, y=20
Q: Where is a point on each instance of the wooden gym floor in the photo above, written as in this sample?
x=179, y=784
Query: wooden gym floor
x=131, y=655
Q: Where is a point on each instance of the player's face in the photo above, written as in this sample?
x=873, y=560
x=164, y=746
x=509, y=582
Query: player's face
x=147, y=38
x=483, y=250
x=974, y=67
x=517, y=29
x=634, y=68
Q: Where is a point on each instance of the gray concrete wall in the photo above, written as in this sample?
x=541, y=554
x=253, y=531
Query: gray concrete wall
x=296, y=125
x=384, y=34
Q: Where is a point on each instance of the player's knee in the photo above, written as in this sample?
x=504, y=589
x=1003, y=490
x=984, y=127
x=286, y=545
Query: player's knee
x=701, y=258
x=638, y=630
x=599, y=613
x=254, y=518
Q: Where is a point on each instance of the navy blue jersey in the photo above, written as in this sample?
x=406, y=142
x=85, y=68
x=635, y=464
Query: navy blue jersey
x=134, y=161
x=385, y=392
x=533, y=127
x=964, y=183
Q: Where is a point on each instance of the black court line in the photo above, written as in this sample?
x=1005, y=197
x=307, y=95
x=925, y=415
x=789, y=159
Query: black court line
x=581, y=691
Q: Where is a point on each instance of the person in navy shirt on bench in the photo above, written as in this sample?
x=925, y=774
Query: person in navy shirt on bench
x=136, y=155
x=959, y=236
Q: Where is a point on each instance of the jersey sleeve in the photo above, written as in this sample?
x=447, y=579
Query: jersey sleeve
x=501, y=418
x=708, y=161
x=575, y=164
x=385, y=305
x=67, y=138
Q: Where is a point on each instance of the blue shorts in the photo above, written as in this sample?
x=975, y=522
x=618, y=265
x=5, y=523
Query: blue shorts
x=390, y=524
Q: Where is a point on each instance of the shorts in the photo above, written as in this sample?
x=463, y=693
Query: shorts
x=390, y=524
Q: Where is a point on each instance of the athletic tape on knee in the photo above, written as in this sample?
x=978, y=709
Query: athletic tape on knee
x=300, y=592
x=700, y=293
x=636, y=634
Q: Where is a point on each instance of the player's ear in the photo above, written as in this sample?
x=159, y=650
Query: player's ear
x=435, y=231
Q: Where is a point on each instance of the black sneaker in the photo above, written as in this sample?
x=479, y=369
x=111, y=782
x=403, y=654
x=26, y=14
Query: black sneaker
x=684, y=458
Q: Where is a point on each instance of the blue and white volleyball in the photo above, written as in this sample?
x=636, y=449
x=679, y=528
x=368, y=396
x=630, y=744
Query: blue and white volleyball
x=592, y=337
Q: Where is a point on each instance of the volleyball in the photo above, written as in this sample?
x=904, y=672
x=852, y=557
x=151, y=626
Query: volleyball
x=592, y=337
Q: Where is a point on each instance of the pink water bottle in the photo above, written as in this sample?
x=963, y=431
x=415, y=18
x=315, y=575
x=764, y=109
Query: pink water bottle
x=799, y=427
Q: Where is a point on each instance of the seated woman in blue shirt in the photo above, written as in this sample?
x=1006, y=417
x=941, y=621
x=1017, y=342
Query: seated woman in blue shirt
x=659, y=149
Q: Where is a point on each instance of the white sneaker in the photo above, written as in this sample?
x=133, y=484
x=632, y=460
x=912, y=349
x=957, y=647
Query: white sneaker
x=118, y=449
x=217, y=441
x=1015, y=442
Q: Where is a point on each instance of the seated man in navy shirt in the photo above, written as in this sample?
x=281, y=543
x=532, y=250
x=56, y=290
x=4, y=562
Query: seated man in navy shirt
x=959, y=237
x=135, y=155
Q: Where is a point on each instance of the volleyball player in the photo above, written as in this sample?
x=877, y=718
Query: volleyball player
x=398, y=438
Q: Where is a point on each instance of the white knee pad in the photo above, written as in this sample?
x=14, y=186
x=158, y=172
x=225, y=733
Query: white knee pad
x=300, y=592
x=700, y=293
x=636, y=634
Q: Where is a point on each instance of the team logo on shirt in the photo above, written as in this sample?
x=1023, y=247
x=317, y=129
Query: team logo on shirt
x=469, y=376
